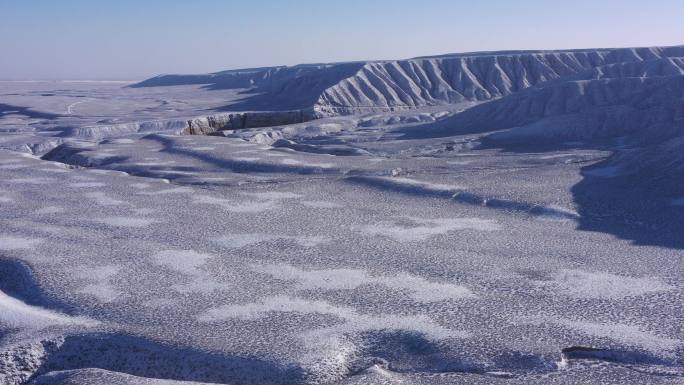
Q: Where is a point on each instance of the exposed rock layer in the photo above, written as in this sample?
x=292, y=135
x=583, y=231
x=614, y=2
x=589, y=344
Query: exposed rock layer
x=236, y=121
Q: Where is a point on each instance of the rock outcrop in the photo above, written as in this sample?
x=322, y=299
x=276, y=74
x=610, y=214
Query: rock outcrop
x=236, y=121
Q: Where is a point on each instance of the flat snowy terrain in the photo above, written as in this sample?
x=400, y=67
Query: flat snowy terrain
x=489, y=218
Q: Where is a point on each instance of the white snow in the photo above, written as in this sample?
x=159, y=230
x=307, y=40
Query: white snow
x=273, y=195
x=584, y=284
x=235, y=206
x=127, y=221
x=10, y=242
x=184, y=261
x=17, y=314
x=241, y=240
x=99, y=282
x=49, y=210
x=190, y=263
x=623, y=333
x=419, y=288
x=411, y=229
x=321, y=204
x=88, y=184
x=352, y=320
x=102, y=199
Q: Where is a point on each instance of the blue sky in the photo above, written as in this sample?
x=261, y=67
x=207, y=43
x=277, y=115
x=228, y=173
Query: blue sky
x=126, y=39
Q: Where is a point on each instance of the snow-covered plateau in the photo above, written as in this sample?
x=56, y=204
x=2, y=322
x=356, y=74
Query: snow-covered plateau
x=479, y=218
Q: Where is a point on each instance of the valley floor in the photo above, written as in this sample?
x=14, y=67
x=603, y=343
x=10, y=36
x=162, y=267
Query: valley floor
x=352, y=255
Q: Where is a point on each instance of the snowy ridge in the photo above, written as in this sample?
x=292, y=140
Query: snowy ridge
x=447, y=80
x=349, y=88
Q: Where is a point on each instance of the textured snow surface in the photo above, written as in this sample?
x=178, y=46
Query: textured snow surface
x=492, y=218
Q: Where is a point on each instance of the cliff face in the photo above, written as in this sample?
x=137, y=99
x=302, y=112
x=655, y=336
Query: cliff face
x=196, y=126
x=236, y=121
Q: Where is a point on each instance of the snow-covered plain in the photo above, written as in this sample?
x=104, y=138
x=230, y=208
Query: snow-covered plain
x=493, y=218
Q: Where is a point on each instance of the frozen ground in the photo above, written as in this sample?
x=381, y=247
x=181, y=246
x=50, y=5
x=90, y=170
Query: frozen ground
x=529, y=235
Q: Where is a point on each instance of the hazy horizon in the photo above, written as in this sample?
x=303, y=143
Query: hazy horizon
x=80, y=40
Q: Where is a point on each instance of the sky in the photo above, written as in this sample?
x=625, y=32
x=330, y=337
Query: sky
x=137, y=39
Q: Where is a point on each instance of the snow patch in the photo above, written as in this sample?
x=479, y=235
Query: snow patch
x=420, y=289
x=175, y=190
x=99, y=285
x=4, y=198
x=583, y=284
x=88, y=184
x=184, y=261
x=49, y=210
x=140, y=186
x=321, y=204
x=10, y=242
x=127, y=221
x=233, y=206
x=189, y=262
x=409, y=229
x=29, y=181
x=623, y=333
x=273, y=195
x=353, y=322
x=102, y=199
x=237, y=241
